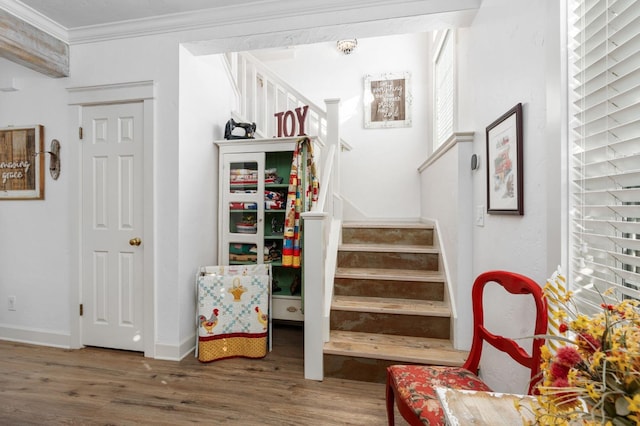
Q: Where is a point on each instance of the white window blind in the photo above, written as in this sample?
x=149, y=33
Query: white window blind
x=443, y=76
x=605, y=159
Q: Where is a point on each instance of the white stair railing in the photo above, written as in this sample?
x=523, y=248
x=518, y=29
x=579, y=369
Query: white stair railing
x=262, y=94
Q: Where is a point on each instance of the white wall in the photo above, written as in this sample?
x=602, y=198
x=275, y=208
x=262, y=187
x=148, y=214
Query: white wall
x=512, y=54
x=206, y=100
x=34, y=234
x=446, y=197
x=379, y=176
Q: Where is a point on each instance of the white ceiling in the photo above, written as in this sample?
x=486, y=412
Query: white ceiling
x=81, y=13
x=86, y=21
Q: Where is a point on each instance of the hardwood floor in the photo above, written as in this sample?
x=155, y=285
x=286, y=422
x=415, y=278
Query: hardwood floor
x=92, y=386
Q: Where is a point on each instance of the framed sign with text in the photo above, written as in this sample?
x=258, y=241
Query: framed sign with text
x=22, y=163
x=387, y=100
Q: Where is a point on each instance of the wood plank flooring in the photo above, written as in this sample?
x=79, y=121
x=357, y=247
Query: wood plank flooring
x=93, y=386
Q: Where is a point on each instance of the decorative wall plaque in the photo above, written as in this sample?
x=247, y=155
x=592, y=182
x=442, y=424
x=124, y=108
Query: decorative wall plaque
x=22, y=163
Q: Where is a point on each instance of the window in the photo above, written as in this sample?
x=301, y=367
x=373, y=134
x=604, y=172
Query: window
x=443, y=87
x=605, y=149
x=632, y=265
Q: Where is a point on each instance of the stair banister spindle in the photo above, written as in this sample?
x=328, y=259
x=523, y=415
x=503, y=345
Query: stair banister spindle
x=286, y=97
x=264, y=118
x=333, y=138
x=253, y=84
x=242, y=83
x=251, y=105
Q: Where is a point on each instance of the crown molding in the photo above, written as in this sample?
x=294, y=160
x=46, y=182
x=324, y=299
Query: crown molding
x=35, y=18
x=265, y=10
x=346, y=11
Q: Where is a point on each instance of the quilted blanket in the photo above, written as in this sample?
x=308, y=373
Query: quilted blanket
x=233, y=312
x=301, y=197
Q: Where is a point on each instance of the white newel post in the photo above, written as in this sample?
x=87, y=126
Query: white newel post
x=313, y=255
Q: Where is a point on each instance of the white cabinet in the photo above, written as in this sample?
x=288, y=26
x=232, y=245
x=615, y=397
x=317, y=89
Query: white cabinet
x=254, y=179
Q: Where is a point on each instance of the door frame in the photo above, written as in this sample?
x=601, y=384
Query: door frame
x=79, y=97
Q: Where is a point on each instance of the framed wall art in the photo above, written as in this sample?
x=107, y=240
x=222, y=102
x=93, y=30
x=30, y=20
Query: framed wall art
x=504, y=164
x=387, y=100
x=22, y=163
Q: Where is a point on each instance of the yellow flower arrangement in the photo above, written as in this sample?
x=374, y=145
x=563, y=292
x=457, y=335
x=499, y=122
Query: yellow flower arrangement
x=593, y=376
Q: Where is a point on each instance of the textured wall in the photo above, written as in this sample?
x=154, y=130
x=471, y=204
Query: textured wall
x=511, y=57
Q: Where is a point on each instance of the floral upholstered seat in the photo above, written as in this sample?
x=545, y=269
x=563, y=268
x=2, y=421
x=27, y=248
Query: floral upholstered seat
x=416, y=385
x=412, y=387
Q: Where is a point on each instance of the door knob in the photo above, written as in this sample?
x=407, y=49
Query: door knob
x=135, y=241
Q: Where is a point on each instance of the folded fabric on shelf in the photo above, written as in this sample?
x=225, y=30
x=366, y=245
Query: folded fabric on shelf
x=274, y=195
x=275, y=204
x=239, y=248
x=243, y=206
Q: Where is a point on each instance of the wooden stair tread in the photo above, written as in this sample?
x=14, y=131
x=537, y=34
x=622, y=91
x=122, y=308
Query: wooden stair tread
x=383, y=248
x=369, y=330
x=389, y=274
x=387, y=224
x=388, y=305
x=419, y=350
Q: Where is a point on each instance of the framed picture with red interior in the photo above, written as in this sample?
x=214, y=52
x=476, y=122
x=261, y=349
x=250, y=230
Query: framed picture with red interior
x=505, y=187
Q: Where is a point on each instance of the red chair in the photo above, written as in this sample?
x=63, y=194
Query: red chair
x=413, y=386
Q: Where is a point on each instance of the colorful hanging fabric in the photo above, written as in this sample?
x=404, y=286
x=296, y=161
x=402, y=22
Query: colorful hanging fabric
x=301, y=197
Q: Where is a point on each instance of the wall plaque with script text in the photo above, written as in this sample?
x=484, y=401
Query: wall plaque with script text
x=387, y=100
x=22, y=163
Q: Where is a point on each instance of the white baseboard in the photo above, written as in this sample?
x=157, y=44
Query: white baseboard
x=173, y=352
x=34, y=336
x=60, y=340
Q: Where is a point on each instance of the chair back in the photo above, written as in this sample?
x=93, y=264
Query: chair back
x=514, y=284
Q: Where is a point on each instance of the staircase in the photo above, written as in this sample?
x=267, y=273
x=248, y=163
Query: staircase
x=389, y=305
x=389, y=299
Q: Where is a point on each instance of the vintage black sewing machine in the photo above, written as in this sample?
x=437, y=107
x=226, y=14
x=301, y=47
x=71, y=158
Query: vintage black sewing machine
x=233, y=130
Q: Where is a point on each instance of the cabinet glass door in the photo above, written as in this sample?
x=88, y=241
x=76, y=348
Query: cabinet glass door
x=243, y=186
x=243, y=210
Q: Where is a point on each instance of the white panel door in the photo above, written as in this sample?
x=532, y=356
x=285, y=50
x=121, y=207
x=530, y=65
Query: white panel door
x=112, y=215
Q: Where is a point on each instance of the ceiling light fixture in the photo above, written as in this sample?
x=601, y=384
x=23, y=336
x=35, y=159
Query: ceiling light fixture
x=347, y=46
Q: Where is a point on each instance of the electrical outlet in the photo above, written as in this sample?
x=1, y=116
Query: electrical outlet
x=11, y=303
